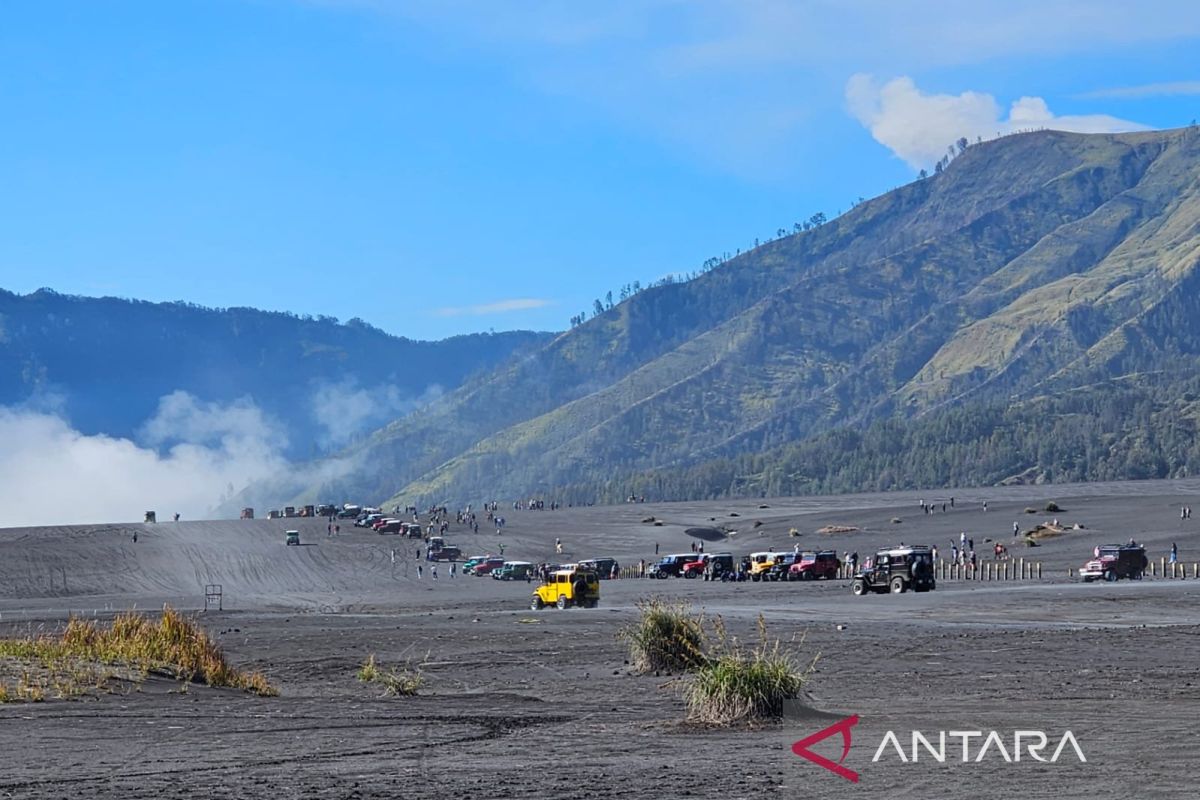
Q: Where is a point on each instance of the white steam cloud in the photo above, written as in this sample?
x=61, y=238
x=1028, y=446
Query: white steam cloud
x=51, y=473
x=918, y=127
x=345, y=409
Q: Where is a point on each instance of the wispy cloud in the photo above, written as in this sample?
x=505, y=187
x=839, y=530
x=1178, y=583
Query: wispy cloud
x=1171, y=89
x=918, y=127
x=498, y=307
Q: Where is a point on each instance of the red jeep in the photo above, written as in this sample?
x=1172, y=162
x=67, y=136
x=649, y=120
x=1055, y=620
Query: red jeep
x=1114, y=561
x=812, y=565
x=486, y=566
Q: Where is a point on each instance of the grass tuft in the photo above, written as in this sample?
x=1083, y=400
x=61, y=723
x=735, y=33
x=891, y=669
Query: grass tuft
x=173, y=645
x=739, y=684
x=667, y=637
x=403, y=681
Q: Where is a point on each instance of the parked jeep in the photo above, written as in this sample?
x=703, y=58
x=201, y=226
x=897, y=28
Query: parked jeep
x=779, y=570
x=513, y=571
x=896, y=570
x=603, y=567
x=713, y=564
x=568, y=587
x=672, y=566
x=446, y=552
x=812, y=565
x=486, y=566
x=293, y=537
x=760, y=563
x=1115, y=561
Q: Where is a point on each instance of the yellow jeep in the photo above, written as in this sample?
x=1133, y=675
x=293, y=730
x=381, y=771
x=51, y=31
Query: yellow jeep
x=568, y=587
x=760, y=563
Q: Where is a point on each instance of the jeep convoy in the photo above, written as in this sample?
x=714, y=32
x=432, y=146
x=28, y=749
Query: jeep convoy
x=896, y=570
x=1115, y=561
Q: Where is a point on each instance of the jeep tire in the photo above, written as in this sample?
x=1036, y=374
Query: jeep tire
x=898, y=586
x=1110, y=575
x=536, y=603
x=859, y=587
x=562, y=601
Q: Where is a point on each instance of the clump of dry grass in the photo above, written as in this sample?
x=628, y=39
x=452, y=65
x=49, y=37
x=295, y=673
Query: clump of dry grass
x=739, y=684
x=173, y=645
x=667, y=637
x=402, y=681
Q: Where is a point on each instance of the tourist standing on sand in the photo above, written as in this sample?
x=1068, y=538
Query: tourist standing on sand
x=1016, y=527
x=418, y=570
x=453, y=567
x=1174, y=551
x=433, y=571
x=558, y=546
x=656, y=548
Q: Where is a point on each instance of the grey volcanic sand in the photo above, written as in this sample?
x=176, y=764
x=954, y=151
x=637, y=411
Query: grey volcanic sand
x=519, y=704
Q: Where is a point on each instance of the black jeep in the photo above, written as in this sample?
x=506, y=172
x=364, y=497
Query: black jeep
x=896, y=570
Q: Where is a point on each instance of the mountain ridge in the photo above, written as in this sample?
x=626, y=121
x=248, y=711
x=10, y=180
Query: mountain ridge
x=1035, y=264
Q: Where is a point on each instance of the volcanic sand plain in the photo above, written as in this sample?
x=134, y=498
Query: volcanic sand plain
x=518, y=703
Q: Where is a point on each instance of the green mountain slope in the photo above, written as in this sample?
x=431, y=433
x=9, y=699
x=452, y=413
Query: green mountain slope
x=1034, y=265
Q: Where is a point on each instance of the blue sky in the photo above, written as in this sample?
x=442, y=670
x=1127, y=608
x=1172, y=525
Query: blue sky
x=440, y=167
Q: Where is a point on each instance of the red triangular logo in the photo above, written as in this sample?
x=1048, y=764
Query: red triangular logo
x=800, y=748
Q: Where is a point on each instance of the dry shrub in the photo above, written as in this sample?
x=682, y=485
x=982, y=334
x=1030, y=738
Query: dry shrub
x=739, y=684
x=403, y=681
x=173, y=645
x=667, y=637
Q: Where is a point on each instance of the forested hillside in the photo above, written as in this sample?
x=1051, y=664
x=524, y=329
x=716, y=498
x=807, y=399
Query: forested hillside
x=1032, y=268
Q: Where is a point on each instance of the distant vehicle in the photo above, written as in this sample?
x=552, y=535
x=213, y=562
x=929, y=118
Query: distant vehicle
x=672, y=566
x=603, y=567
x=779, y=570
x=274, y=514
x=247, y=513
x=151, y=517
x=568, y=587
x=293, y=537
x=812, y=565
x=1115, y=561
x=308, y=511
x=436, y=543
x=719, y=563
x=390, y=526
x=470, y=563
x=289, y=511
x=327, y=510
x=896, y=570
x=349, y=511
x=368, y=520
x=513, y=571
x=486, y=566
x=446, y=552
x=760, y=563
x=412, y=530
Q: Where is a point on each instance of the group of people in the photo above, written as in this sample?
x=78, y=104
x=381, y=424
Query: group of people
x=929, y=508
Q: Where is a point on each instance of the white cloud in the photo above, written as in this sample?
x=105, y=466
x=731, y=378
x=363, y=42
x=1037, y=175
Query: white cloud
x=498, y=307
x=345, y=409
x=918, y=127
x=53, y=474
x=1171, y=89
x=736, y=83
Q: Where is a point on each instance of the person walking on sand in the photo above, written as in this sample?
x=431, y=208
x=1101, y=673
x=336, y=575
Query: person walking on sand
x=1016, y=527
x=418, y=570
x=135, y=537
x=1174, y=552
x=433, y=571
x=558, y=546
x=453, y=568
